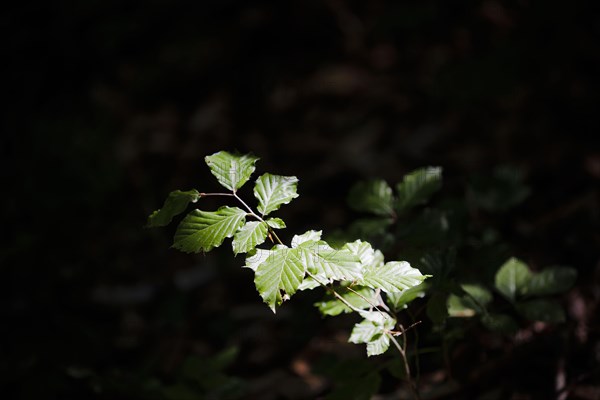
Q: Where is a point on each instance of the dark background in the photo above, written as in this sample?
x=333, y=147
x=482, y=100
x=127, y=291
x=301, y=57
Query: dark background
x=109, y=105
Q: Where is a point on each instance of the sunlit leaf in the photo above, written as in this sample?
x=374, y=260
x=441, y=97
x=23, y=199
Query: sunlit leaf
x=308, y=236
x=202, y=230
x=373, y=196
x=512, y=278
x=394, y=276
x=279, y=276
x=274, y=190
x=417, y=186
x=359, y=297
x=175, y=204
x=369, y=257
x=275, y=223
x=542, y=310
x=249, y=236
x=374, y=331
x=324, y=261
x=231, y=170
x=400, y=300
x=551, y=280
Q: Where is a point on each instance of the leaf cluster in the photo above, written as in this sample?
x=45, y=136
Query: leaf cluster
x=353, y=273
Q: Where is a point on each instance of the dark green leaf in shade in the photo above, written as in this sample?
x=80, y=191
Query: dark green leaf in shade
x=474, y=301
x=500, y=323
x=512, y=278
x=542, y=310
x=373, y=196
x=417, y=187
x=551, y=280
x=437, y=310
x=202, y=230
x=175, y=204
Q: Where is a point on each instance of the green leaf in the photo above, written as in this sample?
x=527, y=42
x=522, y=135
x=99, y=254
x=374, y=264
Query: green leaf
x=231, y=170
x=374, y=331
x=500, y=323
x=332, y=306
x=275, y=223
x=274, y=190
x=474, y=301
x=249, y=236
x=202, y=230
x=369, y=257
x=278, y=277
x=372, y=196
x=542, y=310
x=436, y=309
x=308, y=236
x=326, y=262
x=175, y=204
x=551, y=281
x=400, y=300
x=258, y=256
x=394, y=276
x=417, y=186
x=512, y=278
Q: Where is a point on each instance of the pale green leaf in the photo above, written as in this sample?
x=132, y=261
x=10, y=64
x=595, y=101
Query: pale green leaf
x=512, y=278
x=552, y=280
x=374, y=331
x=331, y=264
x=202, y=230
x=394, y=276
x=417, y=186
x=231, y=170
x=275, y=223
x=175, y=204
x=542, y=310
x=279, y=276
x=310, y=283
x=257, y=256
x=373, y=196
x=274, y=190
x=369, y=257
x=308, y=236
x=400, y=300
x=360, y=297
x=249, y=236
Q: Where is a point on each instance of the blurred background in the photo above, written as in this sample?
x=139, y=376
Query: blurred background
x=110, y=105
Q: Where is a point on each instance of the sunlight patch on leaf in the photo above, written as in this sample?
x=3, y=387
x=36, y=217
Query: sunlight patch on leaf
x=203, y=230
x=394, y=276
x=231, y=170
x=279, y=276
x=272, y=191
x=249, y=236
x=174, y=205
